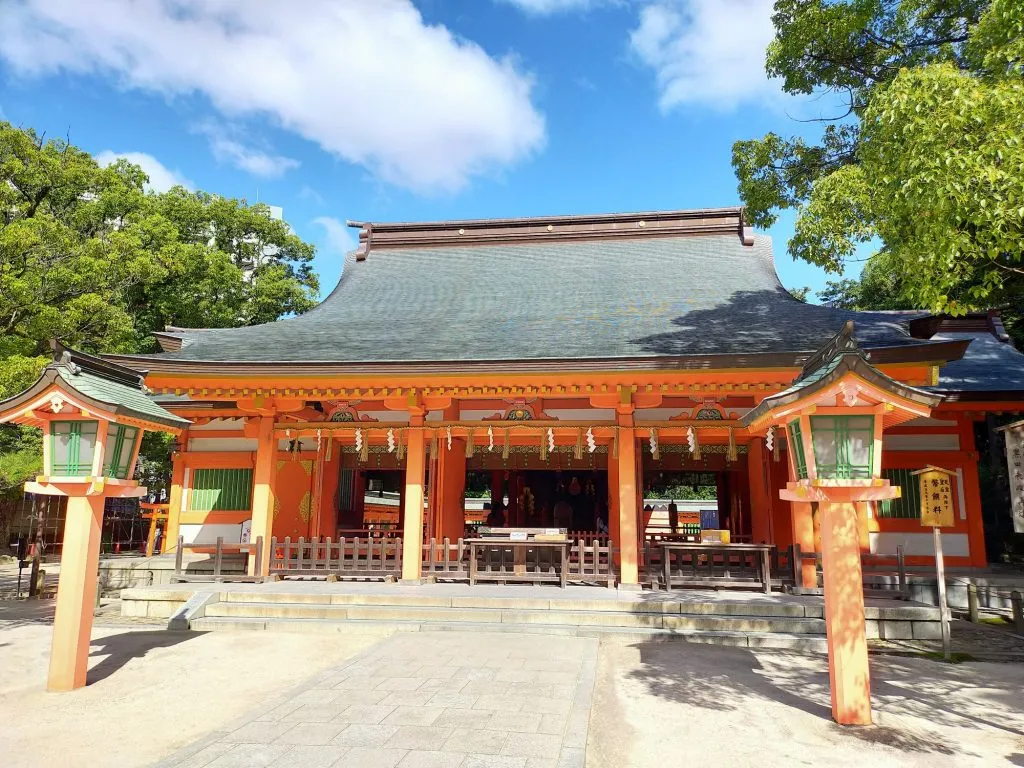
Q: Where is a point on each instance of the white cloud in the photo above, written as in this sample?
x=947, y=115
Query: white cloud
x=229, y=150
x=339, y=237
x=707, y=52
x=161, y=178
x=545, y=7
x=367, y=80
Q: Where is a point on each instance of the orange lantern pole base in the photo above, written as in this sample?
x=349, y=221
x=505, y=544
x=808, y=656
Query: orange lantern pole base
x=76, y=594
x=848, y=672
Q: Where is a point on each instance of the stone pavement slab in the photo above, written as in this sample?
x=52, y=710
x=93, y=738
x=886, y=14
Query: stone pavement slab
x=452, y=699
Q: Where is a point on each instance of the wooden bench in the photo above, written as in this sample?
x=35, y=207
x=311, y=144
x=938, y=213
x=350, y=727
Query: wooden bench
x=518, y=554
x=740, y=565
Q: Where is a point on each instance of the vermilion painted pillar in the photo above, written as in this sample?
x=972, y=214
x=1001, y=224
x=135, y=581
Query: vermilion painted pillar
x=263, y=477
x=844, y=614
x=803, y=534
x=863, y=526
x=972, y=496
x=613, y=505
x=450, y=489
x=76, y=593
x=759, y=505
x=412, y=529
x=174, y=498
x=629, y=572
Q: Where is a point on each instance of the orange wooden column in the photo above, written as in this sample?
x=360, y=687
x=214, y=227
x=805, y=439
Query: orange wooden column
x=972, y=496
x=629, y=571
x=864, y=526
x=844, y=614
x=415, y=478
x=76, y=593
x=174, y=498
x=263, y=476
x=803, y=535
x=451, y=484
x=760, y=506
x=613, y=506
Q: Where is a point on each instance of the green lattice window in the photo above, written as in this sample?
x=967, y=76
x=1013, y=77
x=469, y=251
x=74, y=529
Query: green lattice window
x=908, y=506
x=71, y=447
x=796, y=445
x=843, y=446
x=214, y=490
x=119, y=450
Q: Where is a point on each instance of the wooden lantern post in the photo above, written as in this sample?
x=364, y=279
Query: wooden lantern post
x=93, y=415
x=834, y=415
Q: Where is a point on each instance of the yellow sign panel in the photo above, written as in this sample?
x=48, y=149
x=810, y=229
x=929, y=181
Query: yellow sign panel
x=936, y=498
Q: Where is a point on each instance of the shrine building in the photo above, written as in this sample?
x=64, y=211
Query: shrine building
x=564, y=371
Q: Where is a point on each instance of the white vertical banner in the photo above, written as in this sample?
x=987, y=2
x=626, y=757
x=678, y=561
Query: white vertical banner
x=1015, y=464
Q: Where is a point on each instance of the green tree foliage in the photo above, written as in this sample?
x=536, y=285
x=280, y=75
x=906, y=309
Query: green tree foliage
x=88, y=257
x=928, y=159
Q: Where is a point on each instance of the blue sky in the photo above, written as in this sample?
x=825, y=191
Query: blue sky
x=387, y=110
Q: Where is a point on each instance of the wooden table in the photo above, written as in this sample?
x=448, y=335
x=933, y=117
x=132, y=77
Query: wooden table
x=711, y=549
x=478, y=545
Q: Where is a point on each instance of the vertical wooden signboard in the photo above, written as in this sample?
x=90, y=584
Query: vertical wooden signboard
x=937, y=512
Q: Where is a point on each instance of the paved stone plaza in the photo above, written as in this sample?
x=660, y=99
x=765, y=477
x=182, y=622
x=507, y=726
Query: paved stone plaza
x=444, y=699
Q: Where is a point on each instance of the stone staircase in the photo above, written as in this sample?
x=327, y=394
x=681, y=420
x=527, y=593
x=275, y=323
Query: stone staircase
x=776, y=622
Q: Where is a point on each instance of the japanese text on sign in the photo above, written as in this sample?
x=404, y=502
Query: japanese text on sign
x=936, y=499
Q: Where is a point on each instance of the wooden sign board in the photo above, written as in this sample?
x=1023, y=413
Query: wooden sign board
x=936, y=492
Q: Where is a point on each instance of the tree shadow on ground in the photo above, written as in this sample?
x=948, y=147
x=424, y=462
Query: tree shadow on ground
x=122, y=648
x=721, y=678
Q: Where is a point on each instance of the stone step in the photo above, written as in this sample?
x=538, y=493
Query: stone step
x=666, y=606
x=488, y=616
x=776, y=640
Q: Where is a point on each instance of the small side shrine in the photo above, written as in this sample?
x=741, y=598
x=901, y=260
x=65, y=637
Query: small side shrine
x=93, y=415
x=834, y=416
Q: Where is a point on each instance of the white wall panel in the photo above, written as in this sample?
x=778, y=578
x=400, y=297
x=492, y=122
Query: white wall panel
x=196, y=533
x=920, y=544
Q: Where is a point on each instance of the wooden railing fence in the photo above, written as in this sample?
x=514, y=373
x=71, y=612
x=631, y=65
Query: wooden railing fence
x=359, y=558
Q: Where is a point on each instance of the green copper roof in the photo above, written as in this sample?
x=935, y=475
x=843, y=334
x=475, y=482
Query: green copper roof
x=102, y=385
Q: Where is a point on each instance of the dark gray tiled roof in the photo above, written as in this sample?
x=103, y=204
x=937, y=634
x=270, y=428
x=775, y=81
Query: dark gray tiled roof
x=988, y=365
x=612, y=298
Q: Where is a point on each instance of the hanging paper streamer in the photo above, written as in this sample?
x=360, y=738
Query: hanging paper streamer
x=318, y=441
x=591, y=442
x=448, y=434
x=364, y=449
x=693, y=442
x=505, y=446
x=655, y=449
x=490, y=439
x=551, y=440
x=543, y=446
x=359, y=441
x=469, y=444
x=731, y=453
x=577, y=452
x=288, y=434
x=769, y=438
x=391, y=441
